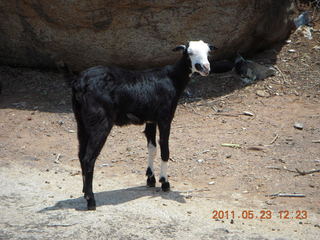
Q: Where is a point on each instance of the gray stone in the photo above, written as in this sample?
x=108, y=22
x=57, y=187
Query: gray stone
x=298, y=125
x=262, y=93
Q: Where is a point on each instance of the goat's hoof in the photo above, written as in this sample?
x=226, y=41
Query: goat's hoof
x=91, y=204
x=162, y=180
x=165, y=186
x=149, y=172
x=151, y=181
x=91, y=208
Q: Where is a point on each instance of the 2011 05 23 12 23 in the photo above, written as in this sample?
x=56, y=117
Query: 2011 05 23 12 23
x=260, y=214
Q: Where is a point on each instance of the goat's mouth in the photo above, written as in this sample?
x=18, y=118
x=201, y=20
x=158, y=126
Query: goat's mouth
x=202, y=70
x=204, y=73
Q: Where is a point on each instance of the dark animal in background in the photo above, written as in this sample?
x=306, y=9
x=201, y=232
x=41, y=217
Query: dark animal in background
x=107, y=96
x=250, y=71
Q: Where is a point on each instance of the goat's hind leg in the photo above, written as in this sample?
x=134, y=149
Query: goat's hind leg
x=95, y=143
x=82, y=135
x=150, y=132
x=97, y=126
x=83, y=141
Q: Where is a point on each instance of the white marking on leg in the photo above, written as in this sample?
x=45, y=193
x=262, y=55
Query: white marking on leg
x=152, y=152
x=164, y=169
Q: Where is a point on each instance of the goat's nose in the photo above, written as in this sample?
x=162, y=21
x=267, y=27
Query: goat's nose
x=207, y=67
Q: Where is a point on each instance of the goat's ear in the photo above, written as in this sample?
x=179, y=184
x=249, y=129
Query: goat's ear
x=181, y=47
x=212, y=47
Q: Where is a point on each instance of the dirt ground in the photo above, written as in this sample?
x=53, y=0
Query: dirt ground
x=41, y=183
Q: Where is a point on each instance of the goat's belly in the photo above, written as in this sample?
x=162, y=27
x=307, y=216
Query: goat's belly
x=129, y=118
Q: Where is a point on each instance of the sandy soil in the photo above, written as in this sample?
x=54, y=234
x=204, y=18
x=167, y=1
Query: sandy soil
x=41, y=183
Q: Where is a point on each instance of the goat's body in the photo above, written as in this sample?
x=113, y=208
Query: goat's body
x=107, y=96
x=129, y=97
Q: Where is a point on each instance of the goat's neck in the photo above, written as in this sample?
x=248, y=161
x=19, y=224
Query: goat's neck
x=181, y=73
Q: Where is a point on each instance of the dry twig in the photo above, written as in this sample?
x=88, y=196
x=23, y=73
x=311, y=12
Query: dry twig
x=256, y=148
x=245, y=113
x=227, y=114
x=286, y=195
x=57, y=158
x=232, y=145
x=274, y=139
x=283, y=76
x=274, y=167
x=308, y=172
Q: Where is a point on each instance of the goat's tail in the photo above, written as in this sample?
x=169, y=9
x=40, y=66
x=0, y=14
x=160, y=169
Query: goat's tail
x=69, y=75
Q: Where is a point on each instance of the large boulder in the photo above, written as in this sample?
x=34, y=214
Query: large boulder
x=136, y=34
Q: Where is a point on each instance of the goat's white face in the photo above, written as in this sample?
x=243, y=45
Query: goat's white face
x=198, y=52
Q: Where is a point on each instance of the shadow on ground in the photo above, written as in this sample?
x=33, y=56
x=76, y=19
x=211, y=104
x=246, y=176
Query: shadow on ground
x=29, y=89
x=116, y=197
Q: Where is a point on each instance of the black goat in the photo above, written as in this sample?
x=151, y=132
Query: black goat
x=104, y=96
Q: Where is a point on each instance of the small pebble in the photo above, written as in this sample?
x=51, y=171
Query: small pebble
x=298, y=126
x=262, y=93
x=248, y=113
x=60, y=122
x=105, y=165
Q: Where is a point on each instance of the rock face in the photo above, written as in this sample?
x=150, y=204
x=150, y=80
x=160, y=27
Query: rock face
x=136, y=34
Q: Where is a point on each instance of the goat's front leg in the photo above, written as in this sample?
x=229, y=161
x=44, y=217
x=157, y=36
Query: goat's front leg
x=150, y=133
x=164, y=129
